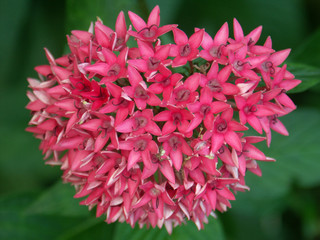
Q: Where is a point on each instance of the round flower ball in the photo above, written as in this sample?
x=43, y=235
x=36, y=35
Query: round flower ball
x=157, y=134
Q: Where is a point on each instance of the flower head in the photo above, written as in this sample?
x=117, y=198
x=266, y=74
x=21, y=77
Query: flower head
x=147, y=142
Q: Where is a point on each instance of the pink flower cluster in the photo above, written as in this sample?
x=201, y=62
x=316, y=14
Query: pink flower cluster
x=156, y=134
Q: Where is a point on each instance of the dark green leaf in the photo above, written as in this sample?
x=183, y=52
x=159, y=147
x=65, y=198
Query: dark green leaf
x=58, y=200
x=212, y=230
x=310, y=76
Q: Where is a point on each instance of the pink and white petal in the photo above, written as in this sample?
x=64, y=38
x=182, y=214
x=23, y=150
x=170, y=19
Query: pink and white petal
x=179, y=61
x=153, y=128
x=154, y=17
x=148, y=172
x=196, y=39
x=286, y=101
x=145, y=49
x=153, y=100
x=162, y=116
x=217, y=141
x=227, y=114
x=194, y=123
x=101, y=141
x=166, y=28
x=99, y=68
x=205, y=96
x=122, y=114
x=168, y=127
x=237, y=30
x=224, y=74
x=146, y=198
x=121, y=27
x=137, y=21
x=222, y=35
x=133, y=158
x=139, y=64
x=279, y=127
x=176, y=157
x=233, y=140
x=230, y=89
x=255, y=123
x=180, y=37
x=212, y=197
x=140, y=103
x=146, y=158
x=278, y=57
x=125, y=126
x=163, y=52
x=109, y=56
x=167, y=171
x=218, y=106
x=114, y=89
x=134, y=76
x=253, y=152
x=207, y=41
x=192, y=82
x=254, y=35
x=206, y=55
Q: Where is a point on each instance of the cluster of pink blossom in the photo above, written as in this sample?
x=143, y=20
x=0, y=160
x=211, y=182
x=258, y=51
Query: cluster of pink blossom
x=156, y=134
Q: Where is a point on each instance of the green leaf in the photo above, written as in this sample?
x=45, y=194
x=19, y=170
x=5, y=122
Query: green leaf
x=310, y=76
x=309, y=51
x=14, y=224
x=212, y=230
x=58, y=200
x=297, y=158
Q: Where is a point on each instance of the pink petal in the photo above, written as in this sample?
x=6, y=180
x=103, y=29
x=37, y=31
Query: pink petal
x=255, y=123
x=167, y=171
x=133, y=159
x=121, y=27
x=168, y=127
x=154, y=17
x=134, y=76
x=176, y=157
x=126, y=126
x=137, y=21
x=237, y=30
x=216, y=142
x=222, y=35
x=180, y=37
x=233, y=140
x=278, y=57
x=207, y=41
x=192, y=82
x=145, y=49
x=194, y=123
x=196, y=38
x=139, y=64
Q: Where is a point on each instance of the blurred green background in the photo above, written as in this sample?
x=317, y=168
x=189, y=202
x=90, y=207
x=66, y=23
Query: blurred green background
x=283, y=204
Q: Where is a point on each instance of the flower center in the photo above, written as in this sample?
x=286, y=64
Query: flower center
x=214, y=85
x=176, y=118
x=182, y=95
x=114, y=70
x=141, y=122
x=140, y=145
x=185, y=50
x=215, y=51
x=222, y=126
x=205, y=109
x=250, y=109
x=141, y=93
x=174, y=143
x=153, y=63
x=154, y=192
x=166, y=82
x=149, y=32
x=267, y=66
x=238, y=65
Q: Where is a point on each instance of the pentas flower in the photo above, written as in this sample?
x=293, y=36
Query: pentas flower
x=146, y=142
